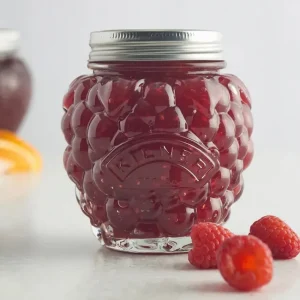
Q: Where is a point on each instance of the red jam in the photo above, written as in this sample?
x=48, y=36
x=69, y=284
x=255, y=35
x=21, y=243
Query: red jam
x=155, y=147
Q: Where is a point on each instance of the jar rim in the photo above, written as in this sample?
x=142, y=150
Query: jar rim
x=156, y=45
x=9, y=41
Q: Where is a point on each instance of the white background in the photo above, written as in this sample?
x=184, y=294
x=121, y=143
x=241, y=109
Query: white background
x=55, y=257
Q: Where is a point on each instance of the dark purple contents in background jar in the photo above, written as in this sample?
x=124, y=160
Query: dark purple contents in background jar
x=156, y=145
x=15, y=82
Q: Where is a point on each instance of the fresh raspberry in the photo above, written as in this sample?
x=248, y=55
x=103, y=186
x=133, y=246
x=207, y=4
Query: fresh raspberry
x=245, y=262
x=282, y=240
x=206, y=239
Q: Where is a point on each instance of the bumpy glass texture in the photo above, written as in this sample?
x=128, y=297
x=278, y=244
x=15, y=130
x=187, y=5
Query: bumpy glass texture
x=15, y=92
x=152, y=153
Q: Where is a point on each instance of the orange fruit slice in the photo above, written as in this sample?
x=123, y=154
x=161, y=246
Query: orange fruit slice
x=17, y=156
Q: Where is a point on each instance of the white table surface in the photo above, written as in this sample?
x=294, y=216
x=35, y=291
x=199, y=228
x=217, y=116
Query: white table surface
x=47, y=250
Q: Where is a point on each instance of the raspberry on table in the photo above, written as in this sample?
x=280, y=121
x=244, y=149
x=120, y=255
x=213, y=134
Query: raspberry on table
x=245, y=262
x=206, y=239
x=281, y=239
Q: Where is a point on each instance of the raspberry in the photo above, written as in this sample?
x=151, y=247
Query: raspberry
x=206, y=239
x=282, y=240
x=245, y=262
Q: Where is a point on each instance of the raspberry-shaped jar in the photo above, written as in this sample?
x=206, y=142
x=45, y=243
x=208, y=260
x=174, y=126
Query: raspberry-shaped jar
x=157, y=137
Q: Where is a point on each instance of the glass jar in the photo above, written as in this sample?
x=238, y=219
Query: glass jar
x=157, y=137
x=15, y=82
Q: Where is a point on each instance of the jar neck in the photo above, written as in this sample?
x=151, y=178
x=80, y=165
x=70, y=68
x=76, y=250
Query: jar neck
x=157, y=67
x=7, y=55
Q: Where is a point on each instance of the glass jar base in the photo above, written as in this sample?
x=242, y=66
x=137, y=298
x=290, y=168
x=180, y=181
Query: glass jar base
x=163, y=245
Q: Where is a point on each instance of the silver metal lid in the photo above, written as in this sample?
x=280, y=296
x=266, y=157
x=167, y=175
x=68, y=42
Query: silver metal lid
x=155, y=45
x=9, y=41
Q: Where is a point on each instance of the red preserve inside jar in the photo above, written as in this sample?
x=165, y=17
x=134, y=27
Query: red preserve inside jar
x=15, y=82
x=156, y=145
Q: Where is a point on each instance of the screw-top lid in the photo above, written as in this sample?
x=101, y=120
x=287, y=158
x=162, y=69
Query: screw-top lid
x=155, y=45
x=9, y=41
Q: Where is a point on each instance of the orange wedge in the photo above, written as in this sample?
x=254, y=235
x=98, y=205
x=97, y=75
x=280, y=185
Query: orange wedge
x=17, y=156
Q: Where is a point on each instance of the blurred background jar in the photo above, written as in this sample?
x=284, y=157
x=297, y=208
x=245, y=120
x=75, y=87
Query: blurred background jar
x=20, y=163
x=15, y=82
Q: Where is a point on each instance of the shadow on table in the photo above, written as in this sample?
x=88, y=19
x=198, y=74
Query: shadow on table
x=87, y=249
x=109, y=257
x=50, y=247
